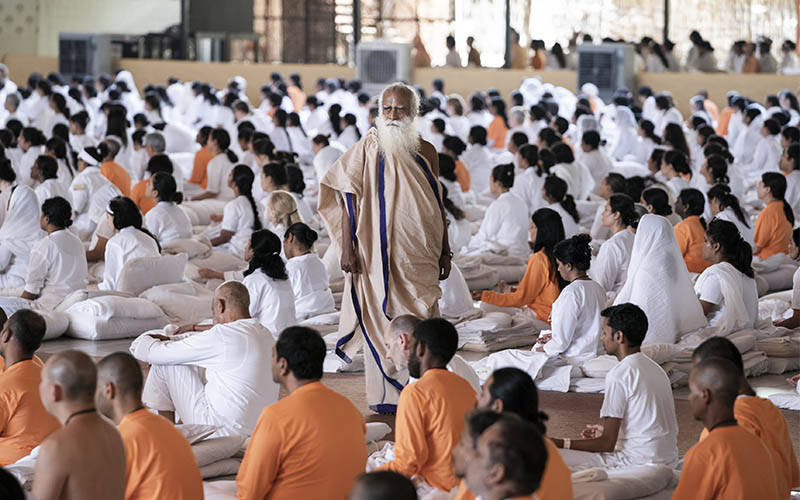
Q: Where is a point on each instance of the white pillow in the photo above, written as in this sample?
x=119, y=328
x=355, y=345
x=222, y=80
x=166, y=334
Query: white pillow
x=184, y=302
x=196, y=248
x=81, y=295
x=599, y=366
x=218, y=261
x=56, y=324
x=85, y=326
x=140, y=274
x=226, y=467
x=661, y=353
x=216, y=449
x=111, y=306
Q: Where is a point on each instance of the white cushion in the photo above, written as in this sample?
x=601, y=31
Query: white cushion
x=226, y=467
x=111, y=306
x=216, y=449
x=217, y=261
x=57, y=324
x=184, y=302
x=140, y=274
x=197, y=247
x=112, y=317
x=81, y=295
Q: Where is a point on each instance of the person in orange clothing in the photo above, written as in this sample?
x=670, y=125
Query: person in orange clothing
x=157, y=163
x=538, y=60
x=709, y=105
x=690, y=233
x=24, y=422
x=541, y=284
x=498, y=128
x=757, y=415
x=430, y=412
x=201, y=159
x=111, y=170
x=774, y=224
x=296, y=94
x=159, y=462
x=730, y=463
x=513, y=390
x=510, y=459
x=310, y=444
x=454, y=147
x=383, y=485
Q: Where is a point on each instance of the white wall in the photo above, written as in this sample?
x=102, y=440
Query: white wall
x=19, y=27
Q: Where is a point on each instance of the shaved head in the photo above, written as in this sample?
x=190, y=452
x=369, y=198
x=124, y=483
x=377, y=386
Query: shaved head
x=122, y=370
x=403, y=324
x=235, y=296
x=74, y=372
x=719, y=377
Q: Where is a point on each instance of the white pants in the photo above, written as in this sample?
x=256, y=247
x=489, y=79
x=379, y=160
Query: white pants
x=582, y=459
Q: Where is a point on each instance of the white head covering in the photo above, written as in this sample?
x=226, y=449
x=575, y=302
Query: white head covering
x=531, y=90
x=127, y=77
x=590, y=89
x=659, y=283
x=627, y=137
x=20, y=229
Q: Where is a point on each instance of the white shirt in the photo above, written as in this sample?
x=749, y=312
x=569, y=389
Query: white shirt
x=479, y=163
x=598, y=164
x=610, y=267
x=578, y=178
x=796, y=289
x=765, y=158
x=324, y=158
x=238, y=218
x=80, y=142
x=460, y=126
x=576, y=322
x=271, y=302
x=218, y=170
x=710, y=289
x=528, y=187
x=168, y=222
x=129, y=243
x=236, y=357
x=51, y=188
x=678, y=184
x=570, y=226
x=84, y=186
x=349, y=136
x=25, y=165
x=746, y=232
x=57, y=266
x=506, y=223
x=792, y=195
x=311, y=286
x=638, y=391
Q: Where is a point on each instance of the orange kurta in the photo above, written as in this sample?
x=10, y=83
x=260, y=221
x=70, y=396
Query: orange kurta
x=199, y=174
x=159, y=462
x=536, y=290
x=24, y=423
x=724, y=120
x=462, y=176
x=297, y=96
x=36, y=360
x=115, y=173
x=497, y=132
x=689, y=234
x=430, y=417
x=556, y=479
x=765, y=420
x=144, y=202
x=773, y=231
x=713, y=110
x=538, y=60
x=309, y=444
x=730, y=464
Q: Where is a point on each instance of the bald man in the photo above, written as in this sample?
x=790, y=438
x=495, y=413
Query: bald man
x=731, y=463
x=159, y=462
x=235, y=354
x=383, y=485
x=382, y=206
x=398, y=340
x=24, y=422
x=85, y=458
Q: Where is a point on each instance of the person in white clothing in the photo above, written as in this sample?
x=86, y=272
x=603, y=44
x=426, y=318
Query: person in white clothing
x=448, y=178
x=656, y=200
x=458, y=123
x=598, y=164
x=235, y=354
x=580, y=182
x=794, y=253
x=675, y=168
x=554, y=194
x=272, y=300
x=349, y=134
x=241, y=216
x=7, y=181
x=627, y=141
x=613, y=183
x=458, y=227
x=749, y=136
x=296, y=186
x=528, y=184
x=57, y=264
x=667, y=113
x=506, y=220
x=166, y=220
x=768, y=152
x=648, y=141
x=307, y=274
x=31, y=141
x=325, y=155
x=219, y=167
x=130, y=242
x=86, y=185
x=659, y=283
x=727, y=288
x=638, y=425
x=58, y=149
x=725, y=206
x=282, y=211
x=478, y=160
x=19, y=232
x=610, y=267
x=790, y=166
x=45, y=172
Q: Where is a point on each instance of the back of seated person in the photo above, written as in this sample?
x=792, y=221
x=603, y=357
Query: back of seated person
x=689, y=232
x=383, y=485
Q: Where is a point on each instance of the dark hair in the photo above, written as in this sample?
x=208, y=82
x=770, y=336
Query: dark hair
x=793, y=152
x=33, y=135
x=7, y=172
x=561, y=124
x=243, y=177
x=649, y=130
x=81, y=118
x=520, y=448
x=629, y=319
x=447, y=167
x=304, y=351
x=549, y=231
x=126, y=214
x=624, y=206
x=715, y=148
x=663, y=101
x=721, y=348
x=439, y=336
x=27, y=328
x=735, y=250
x=718, y=168
x=563, y=153
x=504, y=174
x=693, y=200
x=48, y=166
x=264, y=147
x=302, y=234
x=556, y=188
x=499, y=106
x=519, y=139
x=616, y=182
x=117, y=123
x=277, y=172
x=796, y=236
x=294, y=179
x=266, y=248
x=223, y=140
x=531, y=154
x=673, y=135
x=772, y=126
x=722, y=193
x=164, y=183
x=386, y=485
x=10, y=489
x=334, y=118
x=777, y=186
x=478, y=135
x=517, y=390
x=575, y=251
x=791, y=133
x=454, y=144
x=204, y=133
x=160, y=163
x=658, y=199
x=591, y=138
x=678, y=161
x=751, y=114
x=451, y=207
x=58, y=211
x=657, y=156
x=321, y=140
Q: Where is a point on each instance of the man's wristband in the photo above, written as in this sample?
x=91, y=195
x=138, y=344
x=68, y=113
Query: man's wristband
x=449, y=255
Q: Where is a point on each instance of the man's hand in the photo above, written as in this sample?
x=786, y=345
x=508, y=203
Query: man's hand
x=504, y=287
x=349, y=260
x=444, y=267
x=592, y=431
x=159, y=337
x=543, y=339
x=184, y=329
x=215, y=217
x=477, y=294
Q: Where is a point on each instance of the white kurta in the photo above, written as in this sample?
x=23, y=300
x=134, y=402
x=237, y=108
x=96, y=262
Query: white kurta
x=528, y=187
x=25, y=165
x=56, y=268
x=598, y=164
x=82, y=190
x=218, y=170
x=505, y=223
x=238, y=218
x=746, y=232
x=479, y=163
x=792, y=195
x=168, y=222
x=576, y=322
x=610, y=267
x=51, y=188
x=271, y=301
x=324, y=158
x=311, y=286
x=733, y=294
x=570, y=226
x=236, y=358
x=129, y=243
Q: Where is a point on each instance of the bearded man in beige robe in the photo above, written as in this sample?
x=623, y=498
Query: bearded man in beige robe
x=381, y=203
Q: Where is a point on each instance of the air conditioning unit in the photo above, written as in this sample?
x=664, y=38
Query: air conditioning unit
x=610, y=66
x=379, y=63
x=82, y=54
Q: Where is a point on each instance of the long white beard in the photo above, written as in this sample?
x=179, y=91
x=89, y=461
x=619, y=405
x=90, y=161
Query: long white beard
x=398, y=138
